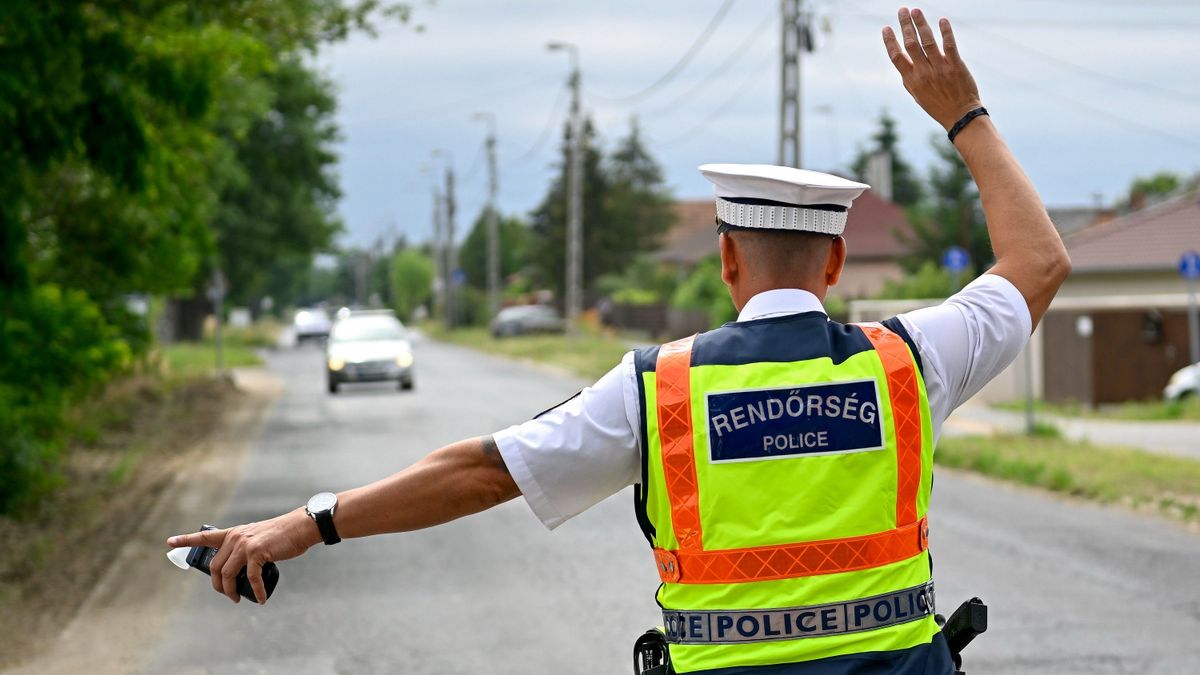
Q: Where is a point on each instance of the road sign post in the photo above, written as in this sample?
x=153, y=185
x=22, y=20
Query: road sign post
x=217, y=287
x=1189, y=269
x=956, y=259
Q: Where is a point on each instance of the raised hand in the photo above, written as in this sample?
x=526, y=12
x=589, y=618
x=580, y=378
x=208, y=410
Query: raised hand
x=937, y=78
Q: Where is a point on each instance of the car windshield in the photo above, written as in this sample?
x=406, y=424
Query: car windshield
x=368, y=328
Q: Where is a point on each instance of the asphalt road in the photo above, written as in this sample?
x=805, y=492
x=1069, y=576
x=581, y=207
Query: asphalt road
x=1072, y=588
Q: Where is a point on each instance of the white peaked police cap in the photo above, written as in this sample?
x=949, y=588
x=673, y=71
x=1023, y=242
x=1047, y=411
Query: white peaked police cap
x=766, y=197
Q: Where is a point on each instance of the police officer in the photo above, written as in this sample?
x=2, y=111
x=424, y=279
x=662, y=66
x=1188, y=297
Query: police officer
x=783, y=462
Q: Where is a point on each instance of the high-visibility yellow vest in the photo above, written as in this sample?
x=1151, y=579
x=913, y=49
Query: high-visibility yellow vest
x=787, y=465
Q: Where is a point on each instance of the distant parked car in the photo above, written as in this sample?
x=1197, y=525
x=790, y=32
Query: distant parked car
x=311, y=324
x=366, y=347
x=525, y=319
x=1184, y=383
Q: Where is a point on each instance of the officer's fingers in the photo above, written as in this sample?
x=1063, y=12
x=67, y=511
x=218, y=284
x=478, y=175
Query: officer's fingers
x=949, y=44
x=925, y=34
x=217, y=564
x=895, y=53
x=213, y=538
x=229, y=573
x=254, y=574
x=911, y=44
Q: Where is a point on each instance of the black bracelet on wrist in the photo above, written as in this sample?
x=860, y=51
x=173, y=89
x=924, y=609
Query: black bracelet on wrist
x=964, y=121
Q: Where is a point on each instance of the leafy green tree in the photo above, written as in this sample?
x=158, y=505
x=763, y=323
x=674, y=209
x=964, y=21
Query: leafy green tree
x=704, y=290
x=626, y=208
x=951, y=215
x=411, y=281
x=281, y=202
x=513, y=249
x=906, y=185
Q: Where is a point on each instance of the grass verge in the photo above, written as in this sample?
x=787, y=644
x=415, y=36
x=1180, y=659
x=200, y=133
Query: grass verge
x=1101, y=473
x=123, y=449
x=588, y=355
x=1148, y=411
x=188, y=360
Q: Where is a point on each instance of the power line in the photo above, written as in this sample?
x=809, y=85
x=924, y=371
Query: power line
x=551, y=123
x=1061, y=62
x=688, y=55
x=723, y=108
x=735, y=56
x=1102, y=112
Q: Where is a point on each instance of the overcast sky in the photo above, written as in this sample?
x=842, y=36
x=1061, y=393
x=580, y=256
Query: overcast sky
x=1089, y=93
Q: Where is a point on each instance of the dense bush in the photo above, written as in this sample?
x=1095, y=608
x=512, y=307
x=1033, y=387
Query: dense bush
x=704, y=290
x=55, y=347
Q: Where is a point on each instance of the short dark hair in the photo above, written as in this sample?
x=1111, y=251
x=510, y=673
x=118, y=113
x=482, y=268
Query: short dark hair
x=785, y=255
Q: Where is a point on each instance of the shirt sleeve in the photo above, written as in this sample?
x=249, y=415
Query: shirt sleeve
x=573, y=456
x=968, y=340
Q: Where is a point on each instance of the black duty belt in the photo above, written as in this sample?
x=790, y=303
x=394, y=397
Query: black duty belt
x=835, y=618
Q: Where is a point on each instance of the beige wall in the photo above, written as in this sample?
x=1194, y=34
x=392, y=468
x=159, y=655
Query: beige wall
x=1105, y=284
x=865, y=278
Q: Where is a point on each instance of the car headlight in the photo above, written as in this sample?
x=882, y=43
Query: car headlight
x=336, y=363
x=404, y=360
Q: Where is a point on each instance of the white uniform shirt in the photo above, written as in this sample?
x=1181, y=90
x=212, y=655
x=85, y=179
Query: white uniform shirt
x=587, y=449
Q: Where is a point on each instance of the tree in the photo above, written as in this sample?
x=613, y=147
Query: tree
x=906, y=186
x=281, y=203
x=411, y=281
x=513, y=249
x=951, y=215
x=626, y=209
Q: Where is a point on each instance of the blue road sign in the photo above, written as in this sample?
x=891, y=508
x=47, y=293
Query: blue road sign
x=1189, y=265
x=459, y=277
x=956, y=259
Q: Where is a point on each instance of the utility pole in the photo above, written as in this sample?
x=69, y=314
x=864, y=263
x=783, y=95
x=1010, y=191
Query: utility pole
x=493, y=234
x=451, y=253
x=795, y=38
x=574, y=192
x=439, y=291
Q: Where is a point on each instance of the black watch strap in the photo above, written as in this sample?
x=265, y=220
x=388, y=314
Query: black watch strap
x=324, y=520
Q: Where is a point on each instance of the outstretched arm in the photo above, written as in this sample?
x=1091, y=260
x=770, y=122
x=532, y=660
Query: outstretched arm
x=1029, y=252
x=455, y=481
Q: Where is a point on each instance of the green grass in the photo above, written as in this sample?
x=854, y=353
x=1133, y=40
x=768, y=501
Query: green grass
x=588, y=355
x=1187, y=410
x=1102, y=473
x=197, y=359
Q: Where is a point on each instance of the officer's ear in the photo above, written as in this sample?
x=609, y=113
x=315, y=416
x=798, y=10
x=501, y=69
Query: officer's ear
x=835, y=262
x=729, y=263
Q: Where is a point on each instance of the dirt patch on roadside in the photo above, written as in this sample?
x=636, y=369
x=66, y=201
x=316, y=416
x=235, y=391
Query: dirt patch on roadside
x=83, y=582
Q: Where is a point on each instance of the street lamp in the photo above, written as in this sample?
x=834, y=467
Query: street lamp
x=493, y=237
x=450, y=269
x=574, y=192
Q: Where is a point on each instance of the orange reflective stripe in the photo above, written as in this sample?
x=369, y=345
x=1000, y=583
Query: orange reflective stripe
x=906, y=416
x=673, y=395
x=767, y=563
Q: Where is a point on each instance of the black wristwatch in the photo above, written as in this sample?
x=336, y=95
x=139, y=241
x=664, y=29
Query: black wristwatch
x=321, y=508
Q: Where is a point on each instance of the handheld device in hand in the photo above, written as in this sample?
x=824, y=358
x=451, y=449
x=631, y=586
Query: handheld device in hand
x=199, y=557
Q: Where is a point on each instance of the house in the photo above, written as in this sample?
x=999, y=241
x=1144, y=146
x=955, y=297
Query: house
x=1118, y=328
x=874, y=234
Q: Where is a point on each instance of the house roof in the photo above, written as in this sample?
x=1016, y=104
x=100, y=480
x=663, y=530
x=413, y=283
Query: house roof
x=1069, y=219
x=1150, y=239
x=871, y=231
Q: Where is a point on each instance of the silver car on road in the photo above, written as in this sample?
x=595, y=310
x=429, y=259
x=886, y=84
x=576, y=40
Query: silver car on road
x=366, y=347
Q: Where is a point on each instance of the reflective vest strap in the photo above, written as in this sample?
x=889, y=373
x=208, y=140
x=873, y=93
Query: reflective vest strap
x=906, y=416
x=767, y=563
x=673, y=397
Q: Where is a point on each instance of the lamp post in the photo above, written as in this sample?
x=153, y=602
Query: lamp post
x=450, y=268
x=574, y=281
x=493, y=235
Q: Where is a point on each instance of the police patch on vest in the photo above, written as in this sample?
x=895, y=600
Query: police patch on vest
x=817, y=419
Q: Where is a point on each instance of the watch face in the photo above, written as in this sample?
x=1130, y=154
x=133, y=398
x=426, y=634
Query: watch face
x=323, y=501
